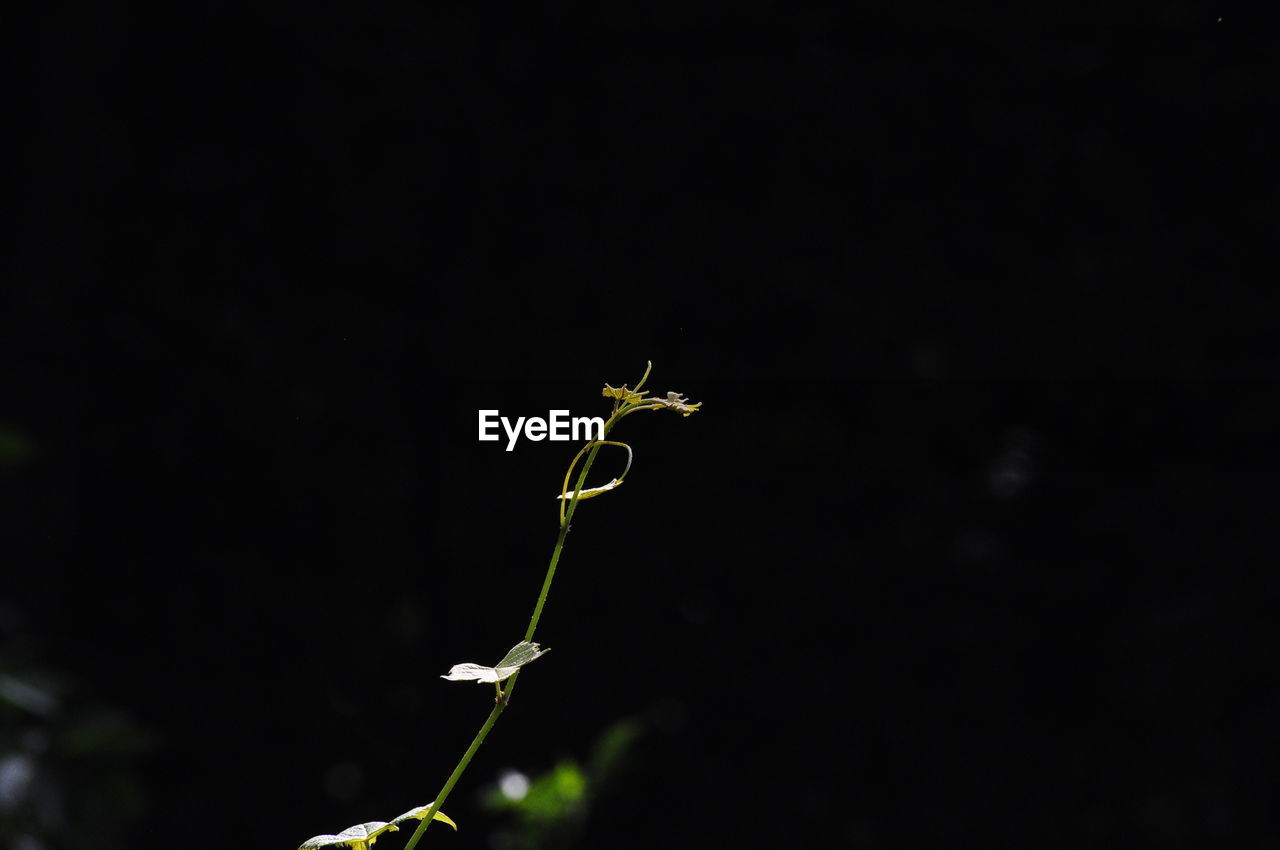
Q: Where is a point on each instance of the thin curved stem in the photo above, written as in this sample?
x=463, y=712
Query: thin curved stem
x=498, y=708
x=505, y=694
x=566, y=521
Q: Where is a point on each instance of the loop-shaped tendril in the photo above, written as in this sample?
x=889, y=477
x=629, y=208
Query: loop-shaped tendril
x=591, y=492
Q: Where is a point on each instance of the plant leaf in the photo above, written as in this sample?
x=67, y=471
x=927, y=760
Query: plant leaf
x=593, y=491
x=519, y=655
x=358, y=837
x=421, y=812
x=627, y=396
x=362, y=835
x=471, y=672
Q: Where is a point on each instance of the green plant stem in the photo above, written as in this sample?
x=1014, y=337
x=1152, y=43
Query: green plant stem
x=505, y=696
x=555, y=553
x=501, y=704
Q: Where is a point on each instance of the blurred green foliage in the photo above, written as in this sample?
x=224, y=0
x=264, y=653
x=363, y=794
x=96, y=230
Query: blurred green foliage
x=549, y=810
x=68, y=775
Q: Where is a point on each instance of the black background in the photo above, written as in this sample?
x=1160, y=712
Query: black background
x=965, y=549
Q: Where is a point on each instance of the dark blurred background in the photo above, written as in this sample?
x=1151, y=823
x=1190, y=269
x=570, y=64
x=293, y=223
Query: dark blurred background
x=968, y=546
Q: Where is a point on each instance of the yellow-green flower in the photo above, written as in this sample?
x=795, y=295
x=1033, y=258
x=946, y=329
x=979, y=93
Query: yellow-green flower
x=678, y=403
x=626, y=396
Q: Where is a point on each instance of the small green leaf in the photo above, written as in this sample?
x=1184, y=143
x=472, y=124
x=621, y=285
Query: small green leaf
x=622, y=394
x=421, y=812
x=520, y=655
x=358, y=837
x=472, y=672
x=361, y=836
x=679, y=403
x=592, y=492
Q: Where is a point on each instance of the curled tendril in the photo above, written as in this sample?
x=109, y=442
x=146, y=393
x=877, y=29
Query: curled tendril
x=566, y=494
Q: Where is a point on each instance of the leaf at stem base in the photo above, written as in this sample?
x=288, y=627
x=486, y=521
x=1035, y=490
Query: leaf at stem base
x=520, y=655
x=363, y=835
